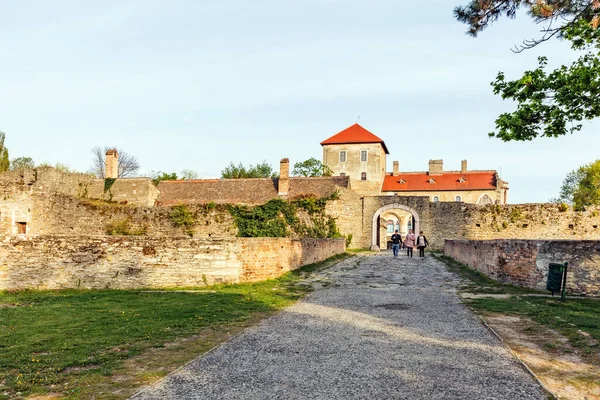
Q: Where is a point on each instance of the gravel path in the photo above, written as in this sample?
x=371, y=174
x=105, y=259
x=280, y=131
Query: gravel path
x=376, y=328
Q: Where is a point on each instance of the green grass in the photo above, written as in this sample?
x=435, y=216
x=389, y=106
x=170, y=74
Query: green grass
x=565, y=317
x=51, y=341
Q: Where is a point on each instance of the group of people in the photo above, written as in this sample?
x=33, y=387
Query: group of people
x=409, y=243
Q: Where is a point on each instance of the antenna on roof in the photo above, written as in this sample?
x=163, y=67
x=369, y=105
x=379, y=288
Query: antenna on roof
x=358, y=119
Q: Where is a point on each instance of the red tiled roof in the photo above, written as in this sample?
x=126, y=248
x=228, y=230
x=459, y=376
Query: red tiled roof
x=419, y=181
x=244, y=191
x=354, y=134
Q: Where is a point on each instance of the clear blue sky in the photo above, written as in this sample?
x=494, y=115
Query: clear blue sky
x=197, y=84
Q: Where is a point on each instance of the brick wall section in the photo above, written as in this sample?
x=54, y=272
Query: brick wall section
x=264, y=258
x=96, y=262
x=525, y=262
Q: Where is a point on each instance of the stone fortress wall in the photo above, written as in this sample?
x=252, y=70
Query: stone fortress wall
x=134, y=262
x=525, y=262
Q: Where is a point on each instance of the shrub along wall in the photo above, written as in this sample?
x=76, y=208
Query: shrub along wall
x=525, y=262
x=134, y=262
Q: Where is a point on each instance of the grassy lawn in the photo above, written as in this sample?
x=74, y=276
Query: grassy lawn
x=84, y=344
x=570, y=318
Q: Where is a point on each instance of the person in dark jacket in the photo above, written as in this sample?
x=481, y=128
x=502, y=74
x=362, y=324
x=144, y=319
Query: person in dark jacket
x=421, y=244
x=396, y=239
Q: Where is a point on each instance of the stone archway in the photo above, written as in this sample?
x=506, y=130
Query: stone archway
x=375, y=226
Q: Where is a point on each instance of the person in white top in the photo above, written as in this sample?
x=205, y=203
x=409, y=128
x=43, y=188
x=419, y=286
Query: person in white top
x=421, y=244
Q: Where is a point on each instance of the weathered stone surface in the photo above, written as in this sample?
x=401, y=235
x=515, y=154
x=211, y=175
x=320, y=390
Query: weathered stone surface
x=126, y=262
x=525, y=262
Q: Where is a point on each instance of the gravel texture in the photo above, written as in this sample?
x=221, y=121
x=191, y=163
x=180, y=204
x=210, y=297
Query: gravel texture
x=375, y=328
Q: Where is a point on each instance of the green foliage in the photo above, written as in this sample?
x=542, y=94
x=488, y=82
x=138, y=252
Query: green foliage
x=279, y=218
x=581, y=187
x=549, y=103
x=311, y=167
x=348, y=240
x=159, y=176
x=189, y=174
x=122, y=227
x=21, y=163
x=260, y=170
x=4, y=162
x=563, y=207
x=504, y=224
x=210, y=206
x=515, y=214
x=181, y=215
x=108, y=183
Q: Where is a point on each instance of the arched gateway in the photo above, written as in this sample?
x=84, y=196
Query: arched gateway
x=376, y=225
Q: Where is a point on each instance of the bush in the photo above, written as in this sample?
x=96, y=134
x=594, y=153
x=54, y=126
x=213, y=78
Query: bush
x=123, y=227
x=182, y=216
x=348, y=239
x=562, y=207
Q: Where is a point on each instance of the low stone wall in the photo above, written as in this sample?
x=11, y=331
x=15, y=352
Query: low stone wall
x=128, y=262
x=525, y=262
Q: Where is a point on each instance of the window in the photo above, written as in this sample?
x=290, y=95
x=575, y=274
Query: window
x=431, y=180
x=22, y=227
x=363, y=155
x=485, y=199
x=363, y=176
x=458, y=198
x=343, y=156
x=342, y=174
x=390, y=226
x=436, y=199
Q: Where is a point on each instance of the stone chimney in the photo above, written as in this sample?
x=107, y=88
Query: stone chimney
x=463, y=166
x=396, y=168
x=111, y=169
x=436, y=167
x=284, y=176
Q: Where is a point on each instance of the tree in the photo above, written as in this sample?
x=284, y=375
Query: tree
x=21, y=163
x=4, y=162
x=159, y=176
x=549, y=103
x=581, y=187
x=128, y=165
x=188, y=174
x=260, y=170
x=311, y=167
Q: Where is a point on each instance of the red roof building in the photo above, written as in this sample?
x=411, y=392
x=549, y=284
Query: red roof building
x=454, y=181
x=355, y=134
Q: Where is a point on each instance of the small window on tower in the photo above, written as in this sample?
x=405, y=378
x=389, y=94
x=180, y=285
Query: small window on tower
x=342, y=174
x=343, y=156
x=458, y=198
x=363, y=176
x=436, y=199
x=363, y=155
x=22, y=228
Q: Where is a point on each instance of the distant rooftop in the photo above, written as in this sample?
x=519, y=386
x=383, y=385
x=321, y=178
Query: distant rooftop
x=353, y=135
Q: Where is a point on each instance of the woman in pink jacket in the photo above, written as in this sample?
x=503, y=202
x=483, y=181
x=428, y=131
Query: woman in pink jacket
x=409, y=242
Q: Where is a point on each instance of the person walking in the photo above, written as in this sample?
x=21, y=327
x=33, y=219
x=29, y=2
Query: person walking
x=396, y=239
x=421, y=244
x=410, y=243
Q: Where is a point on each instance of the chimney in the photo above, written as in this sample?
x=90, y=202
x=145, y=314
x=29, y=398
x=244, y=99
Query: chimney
x=284, y=176
x=112, y=164
x=396, y=168
x=463, y=166
x=436, y=167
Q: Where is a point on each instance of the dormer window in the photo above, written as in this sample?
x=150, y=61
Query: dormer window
x=402, y=181
x=431, y=180
x=462, y=179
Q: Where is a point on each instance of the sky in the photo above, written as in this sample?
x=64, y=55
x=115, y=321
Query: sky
x=199, y=84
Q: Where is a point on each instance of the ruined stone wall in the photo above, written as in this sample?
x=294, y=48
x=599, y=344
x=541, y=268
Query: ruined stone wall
x=66, y=215
x=125, y=262
x=525, y=262
x=133, y=191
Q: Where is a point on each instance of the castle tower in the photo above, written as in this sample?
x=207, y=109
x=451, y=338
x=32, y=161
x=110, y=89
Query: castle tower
x=111, y=169
x=357, y=153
